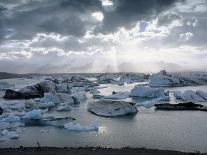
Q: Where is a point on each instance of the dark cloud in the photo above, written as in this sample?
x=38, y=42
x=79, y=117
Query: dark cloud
x=127, y=12
x=73, y=17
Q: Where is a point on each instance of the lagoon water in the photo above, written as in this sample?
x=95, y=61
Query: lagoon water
x=169, y=130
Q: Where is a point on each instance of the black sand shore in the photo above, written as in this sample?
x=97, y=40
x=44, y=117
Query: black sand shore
x=88, y=151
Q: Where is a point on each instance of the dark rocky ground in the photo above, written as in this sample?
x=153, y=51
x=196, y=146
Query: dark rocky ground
x=88, y=151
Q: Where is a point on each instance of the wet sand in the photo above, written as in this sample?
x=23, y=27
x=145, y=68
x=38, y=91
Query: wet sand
x=87, y=151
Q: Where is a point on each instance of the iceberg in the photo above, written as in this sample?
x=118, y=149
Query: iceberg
x=77, y=127
x=202, y=94
x=111, y=108
x=65, y=107
x=12, y=135
x=11, y=118
x=151, y=103
x=62, y=88
x=50, y=97
x=147, y=92
x=34, y=114
x=118, y=95
x=162, y=79
x=12, y=104
x=66, y=98
x=191, y=96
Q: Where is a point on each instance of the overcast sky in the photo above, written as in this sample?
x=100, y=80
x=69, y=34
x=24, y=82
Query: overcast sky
x=48, y=36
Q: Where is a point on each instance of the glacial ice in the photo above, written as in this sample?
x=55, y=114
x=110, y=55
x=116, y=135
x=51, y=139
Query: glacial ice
x=78, y=127
x=149, y=104
x=65, y=107
x=118, y=95
x=12, y=135
x=13, y=104
x=147, y=92
x=162, y=79
x=202, y=94
x=11, y=118
x=191, y=96
x=111, y=108
x=34, y=114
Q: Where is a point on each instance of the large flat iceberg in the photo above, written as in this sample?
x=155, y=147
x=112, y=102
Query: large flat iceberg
x=147, y=92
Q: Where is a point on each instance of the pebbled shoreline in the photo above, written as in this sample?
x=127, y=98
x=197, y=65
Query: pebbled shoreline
x=89, y=151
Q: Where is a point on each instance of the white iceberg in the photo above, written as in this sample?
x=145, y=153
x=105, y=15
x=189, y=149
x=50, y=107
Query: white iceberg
x=149, y=104
x=34, y=114
x=191, y=96
x=12, y=135
x=65, y=107
x=49, y=97
x=147, y=92
x=118, y=96
x=45, y=105
x=111, y=108
x=62, y=88
x=13, y=104
x=78, y=127
x=65, y=98
x=162, y=79
x=48, y=86
x=202, y=94
x=11, y=118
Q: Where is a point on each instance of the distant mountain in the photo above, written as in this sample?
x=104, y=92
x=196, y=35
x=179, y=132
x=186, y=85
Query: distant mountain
x=4, y=75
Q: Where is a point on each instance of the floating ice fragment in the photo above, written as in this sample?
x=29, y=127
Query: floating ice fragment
x=78, y=127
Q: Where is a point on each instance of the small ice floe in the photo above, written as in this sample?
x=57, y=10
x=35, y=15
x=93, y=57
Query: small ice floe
x=62, y=88
x=13, y=104
x=11, y=118
x=151, y=103
x=49, y=97
x=66, y=98
x=202, y=94
x=191, y=96
x=79, y=95
x=34, y=114
x=118, y=96
x=72, y=126
x=12, y=135
x=111, y=108
x=65, y=107
x=147, y=92
x=43, y=105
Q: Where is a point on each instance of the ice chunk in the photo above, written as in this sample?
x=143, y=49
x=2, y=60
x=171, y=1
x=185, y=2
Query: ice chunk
x=46, y=104
x=65, y=98
x=50, y=97
x=118, y=95
x=11, y=118
x=202, y=94
x=191, y=96
x=12, y=104
x=34, y=114
x=13, y=135
x=149, y=104
x=111, y=108
x=141, y=91
x=65, y=107
x=62, y=88
x=78, y=127
x=48, y=86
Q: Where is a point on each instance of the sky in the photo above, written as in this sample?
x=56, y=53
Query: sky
x=62, y=36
